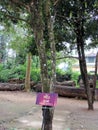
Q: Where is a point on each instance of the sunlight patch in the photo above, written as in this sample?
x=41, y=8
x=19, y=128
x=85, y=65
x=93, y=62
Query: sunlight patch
x=34, y=123
x=24, y=121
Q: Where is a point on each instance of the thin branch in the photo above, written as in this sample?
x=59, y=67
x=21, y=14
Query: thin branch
x=18, y=2
x=55, y=3
x=67, y=57
x=68, y=22
x=13, y=17
x=63, y=18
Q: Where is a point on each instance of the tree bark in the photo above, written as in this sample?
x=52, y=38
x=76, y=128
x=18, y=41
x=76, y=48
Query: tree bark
x=80, y=47
x=48, y=112
x=47, y=117
x=11, y=87
x=68, y=91
x=95, y=78
x=38, y=29
x=27, y=78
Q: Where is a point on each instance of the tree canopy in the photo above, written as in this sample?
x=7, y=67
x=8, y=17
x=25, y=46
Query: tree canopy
x=69, y=14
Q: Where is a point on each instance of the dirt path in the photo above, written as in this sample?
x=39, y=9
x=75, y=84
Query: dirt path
x=18, y=111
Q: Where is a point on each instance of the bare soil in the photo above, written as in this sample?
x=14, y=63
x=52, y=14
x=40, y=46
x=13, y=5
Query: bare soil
x=18, y=111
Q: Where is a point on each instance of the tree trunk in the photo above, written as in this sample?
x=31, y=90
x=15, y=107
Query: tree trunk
x=95, y=78
x=83, y=69
x=38, y=25
x=11, y=87
x=27, y=78
x=80, y=47
x=53, y=56
x=47, y=117
x=68, y=91
x=38, y=32
x=48, y=111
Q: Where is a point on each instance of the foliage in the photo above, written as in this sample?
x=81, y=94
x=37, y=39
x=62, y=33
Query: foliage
x=20, y=41
x=1, y=67
x=68, y=75
x=74, y=77
x=3, y=54
x=35, y=75
x=67, y=16
x=62, y=75
x=35, y=69
x=17, y=72
x=60, y=71
x=77, y=15
x=97, y=84
x=4, y=75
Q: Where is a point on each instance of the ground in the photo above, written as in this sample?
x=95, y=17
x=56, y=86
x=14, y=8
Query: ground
x=18, y=111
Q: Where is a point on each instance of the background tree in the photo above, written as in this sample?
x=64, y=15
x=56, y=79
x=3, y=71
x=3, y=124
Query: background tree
x=77, y=15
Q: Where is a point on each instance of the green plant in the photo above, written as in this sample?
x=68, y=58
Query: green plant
x=18, y=72
x=4, y=75
x=1, y=67
x=13, y=72
x=74, y=77
x=60, y=71
x=97, y=84
x=35, y=74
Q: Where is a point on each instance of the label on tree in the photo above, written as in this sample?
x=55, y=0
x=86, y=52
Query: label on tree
x=46, y=99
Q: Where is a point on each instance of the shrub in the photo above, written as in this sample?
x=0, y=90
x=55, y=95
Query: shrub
x=62, y=75
x=74, y=77
x=16, y=72
x=19, y=72
x=35, y=74
x=4, y=75
x=1, y=67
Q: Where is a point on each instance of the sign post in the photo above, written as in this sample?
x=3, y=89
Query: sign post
x=47, y=101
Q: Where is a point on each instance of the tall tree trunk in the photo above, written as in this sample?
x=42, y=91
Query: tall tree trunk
x=53, y=55
x=83, y=69
x=38, y=29
x=49, y=19
x=27, y=78
x=49, y=111
x=95, y=78
x=80, y=47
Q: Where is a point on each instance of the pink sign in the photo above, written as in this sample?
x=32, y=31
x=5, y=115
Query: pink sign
x=46, y=99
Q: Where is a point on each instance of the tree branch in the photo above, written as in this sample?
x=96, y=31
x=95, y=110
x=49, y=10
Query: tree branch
x=64, y=19
x=67, y=57
x=55, y=3
x=19, y=3
x=13, y=17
